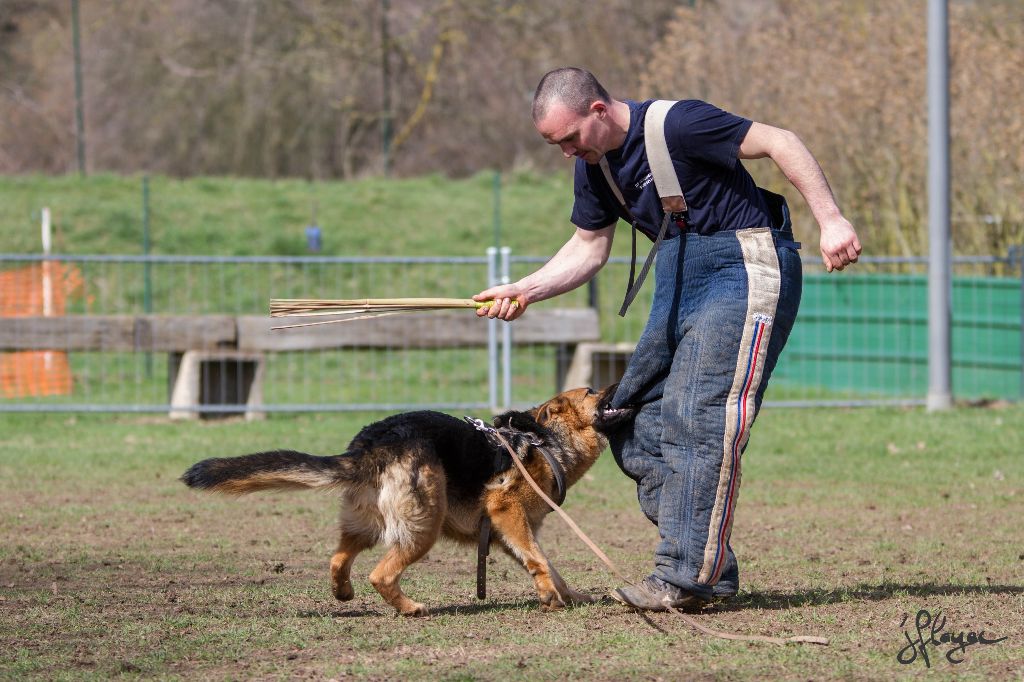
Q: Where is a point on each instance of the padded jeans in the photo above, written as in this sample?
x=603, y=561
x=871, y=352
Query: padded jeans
x=723, y=308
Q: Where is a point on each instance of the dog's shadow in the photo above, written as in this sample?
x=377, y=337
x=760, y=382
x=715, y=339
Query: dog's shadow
x=439, y=610
x=781, y=600
x=338, y=613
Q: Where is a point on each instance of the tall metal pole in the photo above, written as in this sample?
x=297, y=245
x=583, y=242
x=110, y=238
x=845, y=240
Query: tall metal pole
x=506, y=336
x=79, y=115
x=385, y=123
x=940, y=395
x=493, y=279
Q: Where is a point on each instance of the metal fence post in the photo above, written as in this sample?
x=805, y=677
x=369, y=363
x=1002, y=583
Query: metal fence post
x=492, y=334
x=506, y=336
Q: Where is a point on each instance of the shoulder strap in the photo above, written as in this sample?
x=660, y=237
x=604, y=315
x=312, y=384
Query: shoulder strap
x=665, y=178
x=665, y=181
x=614, y=186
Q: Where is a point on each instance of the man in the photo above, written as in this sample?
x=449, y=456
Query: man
x=727, y=288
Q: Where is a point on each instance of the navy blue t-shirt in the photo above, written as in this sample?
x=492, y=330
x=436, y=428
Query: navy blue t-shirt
x=703, y=142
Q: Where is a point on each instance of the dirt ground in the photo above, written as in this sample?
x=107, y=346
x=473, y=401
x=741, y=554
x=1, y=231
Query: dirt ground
x=134, y=575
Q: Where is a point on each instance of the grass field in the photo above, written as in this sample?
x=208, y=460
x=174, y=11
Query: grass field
x=850, y=522
x=428, y=215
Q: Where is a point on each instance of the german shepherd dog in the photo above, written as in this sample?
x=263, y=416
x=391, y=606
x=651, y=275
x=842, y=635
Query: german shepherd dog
x=410, y=478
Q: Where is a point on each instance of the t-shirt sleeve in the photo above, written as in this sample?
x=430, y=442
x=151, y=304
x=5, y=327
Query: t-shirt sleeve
x=702, y=131
x=591, y=209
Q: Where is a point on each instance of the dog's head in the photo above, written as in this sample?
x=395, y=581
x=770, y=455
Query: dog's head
x=583, y=407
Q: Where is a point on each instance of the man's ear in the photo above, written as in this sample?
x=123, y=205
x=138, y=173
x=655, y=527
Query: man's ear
x=598, y=107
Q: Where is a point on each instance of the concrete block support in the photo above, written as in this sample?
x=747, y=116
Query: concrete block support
x=598, y=365
x=216, y=377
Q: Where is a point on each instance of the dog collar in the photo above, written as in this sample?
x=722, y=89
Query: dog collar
x=516, y=438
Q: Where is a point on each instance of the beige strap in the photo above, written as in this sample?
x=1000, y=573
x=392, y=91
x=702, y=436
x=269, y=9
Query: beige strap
x=665, y=181
x=658, y=157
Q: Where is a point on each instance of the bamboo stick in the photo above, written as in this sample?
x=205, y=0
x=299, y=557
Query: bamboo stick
x=350, y=310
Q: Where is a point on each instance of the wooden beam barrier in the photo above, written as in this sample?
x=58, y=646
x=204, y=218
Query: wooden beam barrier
x=180, y=333
x=143, y=333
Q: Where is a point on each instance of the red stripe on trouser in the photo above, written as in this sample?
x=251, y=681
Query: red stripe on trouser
x=723, y=531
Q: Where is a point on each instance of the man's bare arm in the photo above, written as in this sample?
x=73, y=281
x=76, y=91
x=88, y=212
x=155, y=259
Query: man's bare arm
x=839, y=243
x=576, y=262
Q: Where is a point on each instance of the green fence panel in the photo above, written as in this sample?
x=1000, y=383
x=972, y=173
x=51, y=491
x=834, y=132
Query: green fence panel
x=866, y=336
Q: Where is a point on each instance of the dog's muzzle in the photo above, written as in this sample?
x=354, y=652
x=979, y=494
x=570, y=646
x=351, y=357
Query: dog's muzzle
x=608, y=416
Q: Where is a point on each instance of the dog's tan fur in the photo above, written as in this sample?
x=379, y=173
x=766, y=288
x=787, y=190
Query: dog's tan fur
x=400, y=494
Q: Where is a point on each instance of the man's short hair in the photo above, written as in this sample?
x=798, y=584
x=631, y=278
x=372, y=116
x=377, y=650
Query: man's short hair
x=575, y=88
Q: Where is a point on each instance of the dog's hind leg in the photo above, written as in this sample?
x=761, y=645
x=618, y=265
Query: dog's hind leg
x=386, y=575
x=413, y=509
x=350, y=545
x=361, y=527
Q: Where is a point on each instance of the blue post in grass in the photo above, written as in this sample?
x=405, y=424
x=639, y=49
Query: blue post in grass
x=79, y=106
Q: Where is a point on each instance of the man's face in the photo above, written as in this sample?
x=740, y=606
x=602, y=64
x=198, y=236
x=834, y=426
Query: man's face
x=580, y=136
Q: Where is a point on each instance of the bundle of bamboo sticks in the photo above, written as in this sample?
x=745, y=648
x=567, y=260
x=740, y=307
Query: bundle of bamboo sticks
x=349, y=310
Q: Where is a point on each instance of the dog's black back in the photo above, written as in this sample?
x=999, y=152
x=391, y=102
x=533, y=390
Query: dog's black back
x=468, y=459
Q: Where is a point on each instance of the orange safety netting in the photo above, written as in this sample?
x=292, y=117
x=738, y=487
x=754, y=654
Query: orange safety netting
x=41, y=289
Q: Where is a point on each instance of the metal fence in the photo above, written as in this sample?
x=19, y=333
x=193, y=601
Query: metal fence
x=861, y=337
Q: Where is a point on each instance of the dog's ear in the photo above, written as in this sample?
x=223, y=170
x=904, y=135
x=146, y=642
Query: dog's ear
x=544, y=413
x=549, y=410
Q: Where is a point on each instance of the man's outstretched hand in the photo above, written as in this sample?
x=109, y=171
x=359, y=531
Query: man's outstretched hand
x=509, y=302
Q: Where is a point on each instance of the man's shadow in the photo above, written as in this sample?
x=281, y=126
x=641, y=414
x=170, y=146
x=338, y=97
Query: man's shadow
x=779, y=600
x=770, y=599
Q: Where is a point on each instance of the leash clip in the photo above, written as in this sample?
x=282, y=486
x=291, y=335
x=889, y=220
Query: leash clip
x=512, y=435
x=490, y=433
x=478, y=424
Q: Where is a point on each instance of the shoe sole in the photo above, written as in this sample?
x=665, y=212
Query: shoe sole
x=614, y=594
x=688, y=604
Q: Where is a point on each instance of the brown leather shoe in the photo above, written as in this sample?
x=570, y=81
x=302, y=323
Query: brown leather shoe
x=654, y=594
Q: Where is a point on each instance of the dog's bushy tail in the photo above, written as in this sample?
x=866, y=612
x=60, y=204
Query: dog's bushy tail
x=280, y=469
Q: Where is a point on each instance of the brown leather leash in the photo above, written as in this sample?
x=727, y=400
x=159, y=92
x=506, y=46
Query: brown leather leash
x=797, y=639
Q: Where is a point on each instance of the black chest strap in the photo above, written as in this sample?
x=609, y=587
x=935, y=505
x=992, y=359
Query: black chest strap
x=516, y=439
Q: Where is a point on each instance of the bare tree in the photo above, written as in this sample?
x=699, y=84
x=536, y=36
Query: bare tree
x=849, y=77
